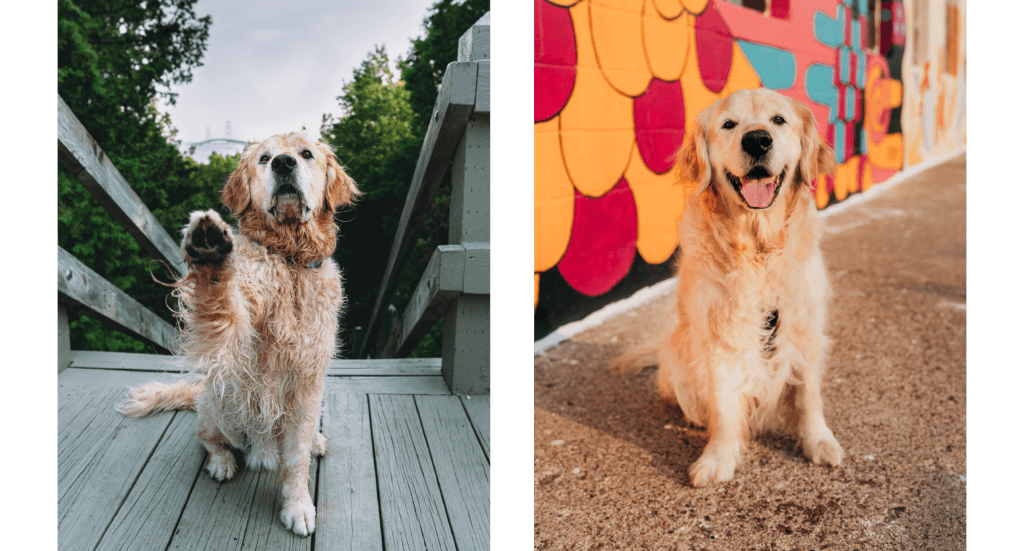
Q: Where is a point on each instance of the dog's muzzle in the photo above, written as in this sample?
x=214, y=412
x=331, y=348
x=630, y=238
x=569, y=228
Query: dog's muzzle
x=288, y=203
x=758, y=188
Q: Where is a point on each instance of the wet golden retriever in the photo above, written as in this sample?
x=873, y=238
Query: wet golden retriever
x=750, y=347
x=260, y=313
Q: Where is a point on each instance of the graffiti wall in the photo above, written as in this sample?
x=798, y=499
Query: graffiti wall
x=617, y=84
x=934, y=79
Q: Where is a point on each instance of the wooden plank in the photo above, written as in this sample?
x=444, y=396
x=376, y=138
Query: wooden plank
x=63, y=339
x=452, y=270
x=483, y=89
x=80, y=286
x=388, y=367
x=475, y=43
x=412, y=509
x=150, y=513
x=470, y=208
x=241, y=514
x=80, y=155
x=463, y=473
x=478, y=408
x=391, y=385
x=347, y=512
x=73, y=377
x=466, y=350
x=439, y=285
x=108, y=378
x=159, y=363
x=409, y=367
x=100, y=453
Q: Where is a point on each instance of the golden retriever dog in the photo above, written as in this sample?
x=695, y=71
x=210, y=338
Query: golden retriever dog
x=750, y=347
x=260, y=313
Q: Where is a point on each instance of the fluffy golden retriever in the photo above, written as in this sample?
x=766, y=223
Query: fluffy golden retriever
x=260, y=313
x=749, y=350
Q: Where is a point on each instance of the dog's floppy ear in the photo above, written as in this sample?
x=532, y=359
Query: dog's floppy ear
x=816, y=157
x=692, y=159
x=236, y=193
x=341, y=190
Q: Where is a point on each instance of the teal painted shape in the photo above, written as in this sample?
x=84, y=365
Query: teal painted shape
x=862, y=66
x=864, y=140
x=851, y=98
x=820, y=84
x=855, y=35
x=886, y=15
x=839, y=136
x=844, y=64
x=827, y=30
x=774, y=66
x=862, y=7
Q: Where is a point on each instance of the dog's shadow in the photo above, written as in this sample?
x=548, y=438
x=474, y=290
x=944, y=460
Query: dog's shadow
x=577, y=381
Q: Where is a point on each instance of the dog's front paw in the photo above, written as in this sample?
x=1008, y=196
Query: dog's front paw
x=823, y=448
x=319, y=447
x=208, y=240
x=222, y=465
x=299, y=517
x=713, y=467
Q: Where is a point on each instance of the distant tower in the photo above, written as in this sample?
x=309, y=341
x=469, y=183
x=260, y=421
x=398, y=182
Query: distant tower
x=224, y=145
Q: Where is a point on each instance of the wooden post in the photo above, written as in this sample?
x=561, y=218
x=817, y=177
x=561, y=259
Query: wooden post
x=63, y=339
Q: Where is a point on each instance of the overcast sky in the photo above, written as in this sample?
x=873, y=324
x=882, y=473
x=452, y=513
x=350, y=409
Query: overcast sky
x=272, y=67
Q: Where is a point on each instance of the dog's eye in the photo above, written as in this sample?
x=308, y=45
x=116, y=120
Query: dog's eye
x=729, y=125
x=307, y=154
x=264, y=158
x=779, y=120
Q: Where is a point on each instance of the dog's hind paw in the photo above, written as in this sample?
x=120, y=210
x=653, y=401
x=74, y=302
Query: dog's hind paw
x=222, y=465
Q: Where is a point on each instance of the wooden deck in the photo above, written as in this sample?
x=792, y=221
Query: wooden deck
x=407, y=466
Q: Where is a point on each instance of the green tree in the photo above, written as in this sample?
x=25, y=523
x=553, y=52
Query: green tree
x=376, y=116
x=379, y=137
x=115, y=60
x=424, y=68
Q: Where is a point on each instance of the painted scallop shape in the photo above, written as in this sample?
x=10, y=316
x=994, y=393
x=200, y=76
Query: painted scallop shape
x=660, y=200
x=696, y=97
x=666, y=43
x=695, y=7
x=667, y=9
x=554, y=59
x=714, y=47
x=553, y=198
x=565, y=3
x=603, y=242
x=659, y=117
x=616, y=29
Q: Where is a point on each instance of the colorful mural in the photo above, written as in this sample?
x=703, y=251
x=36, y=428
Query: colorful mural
x=618, y=83
x=935, y=78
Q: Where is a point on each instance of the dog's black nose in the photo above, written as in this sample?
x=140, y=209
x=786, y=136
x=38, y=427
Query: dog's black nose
x=756, y=143
x=284, y=163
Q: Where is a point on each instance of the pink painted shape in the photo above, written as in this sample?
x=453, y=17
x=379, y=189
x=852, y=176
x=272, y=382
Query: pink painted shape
x=658, y=116
x=714, y=48
x=879, y=175
x=554, y=59
x=603, y=241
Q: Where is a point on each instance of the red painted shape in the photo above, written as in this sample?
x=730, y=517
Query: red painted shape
x=714, y=48
x=603, y=241
x=780, y=9
x=841, y=102
x=554, y=59
x=849, y=139
x=658, y=116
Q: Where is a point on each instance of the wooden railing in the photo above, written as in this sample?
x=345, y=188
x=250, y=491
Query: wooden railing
x=77, y=285
x=456, y=282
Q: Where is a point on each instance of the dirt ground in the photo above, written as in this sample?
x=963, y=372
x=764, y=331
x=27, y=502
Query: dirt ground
x=610, y=462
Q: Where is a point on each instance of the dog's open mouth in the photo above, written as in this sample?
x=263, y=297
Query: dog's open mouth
x=758, y=188
x=288, y=204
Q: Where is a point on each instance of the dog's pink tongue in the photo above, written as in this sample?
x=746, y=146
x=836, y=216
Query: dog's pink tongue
x=758, y=193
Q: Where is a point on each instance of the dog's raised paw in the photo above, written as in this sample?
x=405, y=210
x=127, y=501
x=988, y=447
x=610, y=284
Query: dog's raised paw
x=208, y=239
